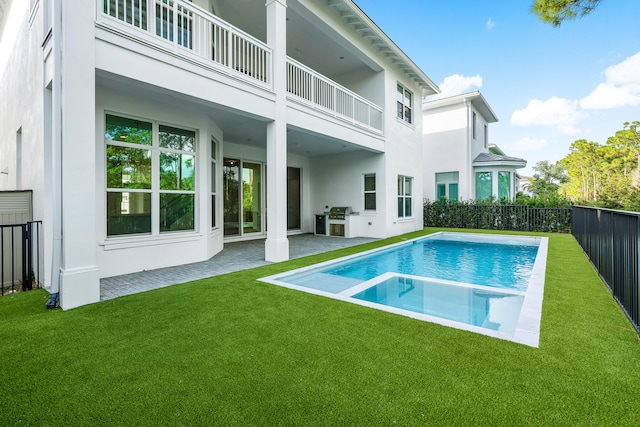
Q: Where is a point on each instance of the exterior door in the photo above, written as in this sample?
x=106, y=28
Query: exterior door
x=242, y=198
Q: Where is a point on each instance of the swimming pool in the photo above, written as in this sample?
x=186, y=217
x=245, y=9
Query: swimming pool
x=490, y=284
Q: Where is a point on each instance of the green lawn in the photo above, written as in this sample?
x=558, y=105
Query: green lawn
x=231, y=350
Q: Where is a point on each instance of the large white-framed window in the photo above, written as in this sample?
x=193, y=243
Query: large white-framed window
x=404, y=104
x=405, y=199
x=447, y=185
x=150, y=177
x=370, y=192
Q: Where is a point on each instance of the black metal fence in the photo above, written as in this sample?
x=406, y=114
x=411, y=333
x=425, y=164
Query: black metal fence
x=20, y=256
x=610, y=239
x=497, y=217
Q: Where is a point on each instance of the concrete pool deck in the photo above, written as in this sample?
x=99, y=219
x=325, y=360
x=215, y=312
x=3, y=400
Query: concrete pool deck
x=235, y=256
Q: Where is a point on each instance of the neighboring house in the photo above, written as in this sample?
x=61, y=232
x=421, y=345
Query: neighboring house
x=153, y=131
x=459, y=161
x=524, y=183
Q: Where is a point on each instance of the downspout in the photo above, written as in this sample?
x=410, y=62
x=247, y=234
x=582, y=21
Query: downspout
x=56, y=140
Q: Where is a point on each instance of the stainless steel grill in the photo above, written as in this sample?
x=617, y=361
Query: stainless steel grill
x=339, y=212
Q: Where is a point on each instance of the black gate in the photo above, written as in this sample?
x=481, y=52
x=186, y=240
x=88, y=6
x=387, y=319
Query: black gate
x=20, y=256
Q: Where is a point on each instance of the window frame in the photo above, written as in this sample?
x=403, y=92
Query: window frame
x=447, y=183
x=369, y=192
x=401, y=104
x=153, y=187
x=405, y=200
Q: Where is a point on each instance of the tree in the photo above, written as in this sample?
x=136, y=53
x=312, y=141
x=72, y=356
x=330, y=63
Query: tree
x=547, y=179
x=555, y=12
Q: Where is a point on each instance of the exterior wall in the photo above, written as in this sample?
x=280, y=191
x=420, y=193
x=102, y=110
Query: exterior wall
x=446, y=138
x=21, y=107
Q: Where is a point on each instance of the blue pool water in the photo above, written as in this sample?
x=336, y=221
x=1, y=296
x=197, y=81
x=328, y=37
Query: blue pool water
x=498, y=264
x=488, y=284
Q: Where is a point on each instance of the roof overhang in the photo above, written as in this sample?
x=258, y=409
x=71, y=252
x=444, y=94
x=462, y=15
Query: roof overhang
x=495, y=160
x=353, y=16
x=475, y=98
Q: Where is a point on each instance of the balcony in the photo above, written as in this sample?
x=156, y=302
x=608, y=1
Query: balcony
x=323, y=94
x=192, y=33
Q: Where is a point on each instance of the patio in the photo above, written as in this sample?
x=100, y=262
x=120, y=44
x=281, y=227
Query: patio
x=235, y=256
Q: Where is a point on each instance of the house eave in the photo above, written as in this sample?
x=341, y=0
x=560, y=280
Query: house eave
x=354, y=17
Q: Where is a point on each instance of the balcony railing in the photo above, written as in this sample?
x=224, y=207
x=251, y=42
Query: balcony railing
x=192, y=31
x=326, y=95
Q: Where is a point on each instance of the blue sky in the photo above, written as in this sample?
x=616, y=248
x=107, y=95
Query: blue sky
x=548, y=86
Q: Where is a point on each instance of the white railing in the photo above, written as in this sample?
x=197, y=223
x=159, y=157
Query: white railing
x=192, y=31
x=328, y=96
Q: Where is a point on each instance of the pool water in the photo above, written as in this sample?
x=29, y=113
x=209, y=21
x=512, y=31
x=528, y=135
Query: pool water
x=490, y=284
x=495, y=310
x=501, y=264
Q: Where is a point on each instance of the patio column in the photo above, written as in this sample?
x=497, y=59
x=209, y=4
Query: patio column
x=277, y=245
x=75, y=136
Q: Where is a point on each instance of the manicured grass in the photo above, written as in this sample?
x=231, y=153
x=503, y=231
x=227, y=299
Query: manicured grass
x=230, y=350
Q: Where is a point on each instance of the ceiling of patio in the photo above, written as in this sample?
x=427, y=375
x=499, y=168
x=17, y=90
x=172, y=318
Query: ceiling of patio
x=238, y=127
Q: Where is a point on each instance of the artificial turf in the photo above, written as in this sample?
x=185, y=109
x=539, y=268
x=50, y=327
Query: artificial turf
x=231, y=350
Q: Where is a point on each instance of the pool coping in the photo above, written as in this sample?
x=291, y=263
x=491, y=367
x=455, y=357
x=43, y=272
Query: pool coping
x=527, y=331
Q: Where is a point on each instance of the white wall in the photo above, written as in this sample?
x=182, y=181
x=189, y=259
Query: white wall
x=445, y=136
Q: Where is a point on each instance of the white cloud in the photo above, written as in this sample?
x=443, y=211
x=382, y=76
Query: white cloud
x=621, y=88
x=490, y=24
x=458, y=84
x=559, y=112
x=529, y=144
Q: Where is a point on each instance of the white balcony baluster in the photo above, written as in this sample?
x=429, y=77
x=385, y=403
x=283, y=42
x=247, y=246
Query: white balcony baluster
x=332, y=98
x=193, y=32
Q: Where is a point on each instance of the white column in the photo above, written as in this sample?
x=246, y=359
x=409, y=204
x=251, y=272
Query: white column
x=76, y=131
x=277, y=244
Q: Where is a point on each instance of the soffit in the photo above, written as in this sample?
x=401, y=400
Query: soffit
x=355, y=18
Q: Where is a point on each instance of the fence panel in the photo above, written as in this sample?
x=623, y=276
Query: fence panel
x=497, y=217
x=610, y=239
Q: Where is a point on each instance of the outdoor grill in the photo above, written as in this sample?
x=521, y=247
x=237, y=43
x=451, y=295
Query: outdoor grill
x=339, y=212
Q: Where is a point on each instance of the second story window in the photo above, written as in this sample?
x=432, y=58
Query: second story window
x=405, y=104
x=473, y=124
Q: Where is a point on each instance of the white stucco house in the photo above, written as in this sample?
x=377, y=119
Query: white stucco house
x=153, y=131
x=459, y=161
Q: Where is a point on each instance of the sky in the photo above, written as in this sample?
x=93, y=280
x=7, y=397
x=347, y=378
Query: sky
x=548, y=86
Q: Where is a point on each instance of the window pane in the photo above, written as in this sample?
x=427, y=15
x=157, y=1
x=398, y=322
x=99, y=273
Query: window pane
x=407, y=186
x=128, y=167
x=483, y=185
x=400, y=207
x=400, y=181
x=400, y=94
x=504, y=181
x=453, y=191
x=370, y=201
x=369, y=183
x=447, y=177
x=442, y=191
x=128, y=213
x=213, y=177
x=407, y=206
x=407, y=114
x=213, y=211
x=214, y=151
x=177, y=172
x=176, y=212
x=176, y=139
x=128, y=130
x=400, y=110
